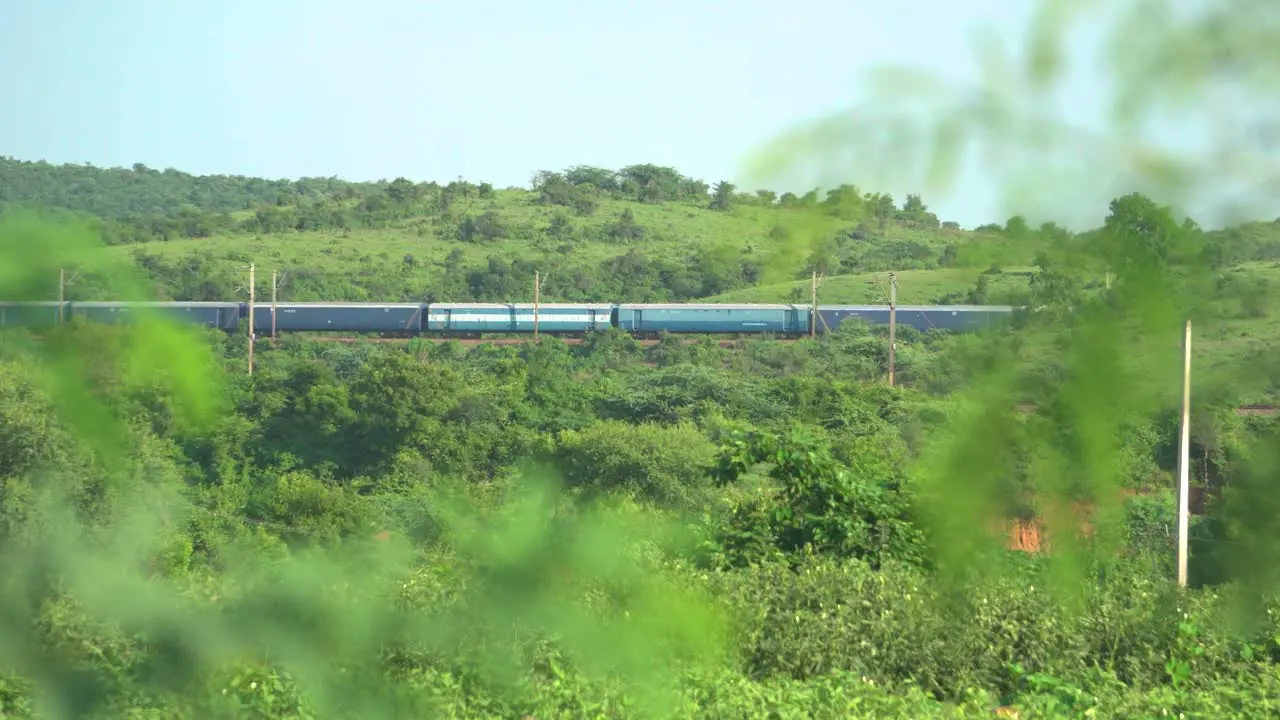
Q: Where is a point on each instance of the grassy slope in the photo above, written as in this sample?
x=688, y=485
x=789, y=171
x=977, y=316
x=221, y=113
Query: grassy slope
x=1244, y=343
x=674, y=230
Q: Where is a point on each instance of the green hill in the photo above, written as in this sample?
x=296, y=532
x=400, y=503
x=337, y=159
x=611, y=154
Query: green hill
x=640, y=234
x=643, y=233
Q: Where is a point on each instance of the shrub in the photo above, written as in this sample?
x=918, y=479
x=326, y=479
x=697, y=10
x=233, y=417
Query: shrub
x=665, y=464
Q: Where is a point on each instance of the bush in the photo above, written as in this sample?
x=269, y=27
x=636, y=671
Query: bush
x=665, y=464
x=1005, y=633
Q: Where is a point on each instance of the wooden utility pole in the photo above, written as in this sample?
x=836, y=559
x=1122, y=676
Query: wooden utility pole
x=537, y=297
x=1184, y=461
x=274, y=287
x=893, y=323
x=813, y=305
x=63, y=282
x=251, y=337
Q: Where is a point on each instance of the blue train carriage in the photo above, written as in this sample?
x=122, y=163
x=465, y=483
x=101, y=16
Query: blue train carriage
x=831, y=317
x=381, y=318
x=655, y=318
x=954, y=318
x=30, y=314
x=473, y=319
x=221, y=315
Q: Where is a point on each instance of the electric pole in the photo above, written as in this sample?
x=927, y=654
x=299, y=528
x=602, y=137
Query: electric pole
x=274, y=287
x=63, y=282
x=1184, y=461
x=893, y=322
x=251, y=336
x=813, y=305
x=537, y=297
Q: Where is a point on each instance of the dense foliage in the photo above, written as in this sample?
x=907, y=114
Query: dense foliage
x=609, y=527
x=815, y=558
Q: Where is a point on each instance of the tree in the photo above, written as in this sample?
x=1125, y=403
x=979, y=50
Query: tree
x=560, y=227
x=651, y=183
x=656, y=462
x=553, y=189
x=845, y=202
x=402, y=190
x=915, y=211
x=950, y=256
x=395, y=402
x=606, y=180
x=1016, y=226
x=722, y=196
x=484, y=227
x=625, y=228
x=578, y=193
x=1137, y=230
x=1054, y=289
x=694, y=190
x=882, y=208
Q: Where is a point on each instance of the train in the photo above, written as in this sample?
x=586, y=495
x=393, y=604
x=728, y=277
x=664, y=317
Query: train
x=473, y=320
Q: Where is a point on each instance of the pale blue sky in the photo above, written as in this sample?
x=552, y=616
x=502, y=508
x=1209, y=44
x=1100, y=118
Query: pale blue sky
x=482, y=89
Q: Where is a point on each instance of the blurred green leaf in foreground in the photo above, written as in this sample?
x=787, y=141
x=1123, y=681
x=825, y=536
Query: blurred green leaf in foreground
x=85, y=554
x=90, y=541
x=1188, y=125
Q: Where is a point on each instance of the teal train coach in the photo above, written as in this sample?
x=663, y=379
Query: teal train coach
x=480, y=319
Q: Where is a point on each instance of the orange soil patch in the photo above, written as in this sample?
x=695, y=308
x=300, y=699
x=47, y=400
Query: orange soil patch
x=1032, y=535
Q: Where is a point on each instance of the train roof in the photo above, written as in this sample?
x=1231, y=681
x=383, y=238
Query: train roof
x=154, y=304
x=710, y=306
x=371, y=305
x=924, y=308
x=521, y=306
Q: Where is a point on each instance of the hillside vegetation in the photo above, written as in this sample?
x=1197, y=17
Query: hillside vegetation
x=611, y=530
x=643, y=233
x=640, y=234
